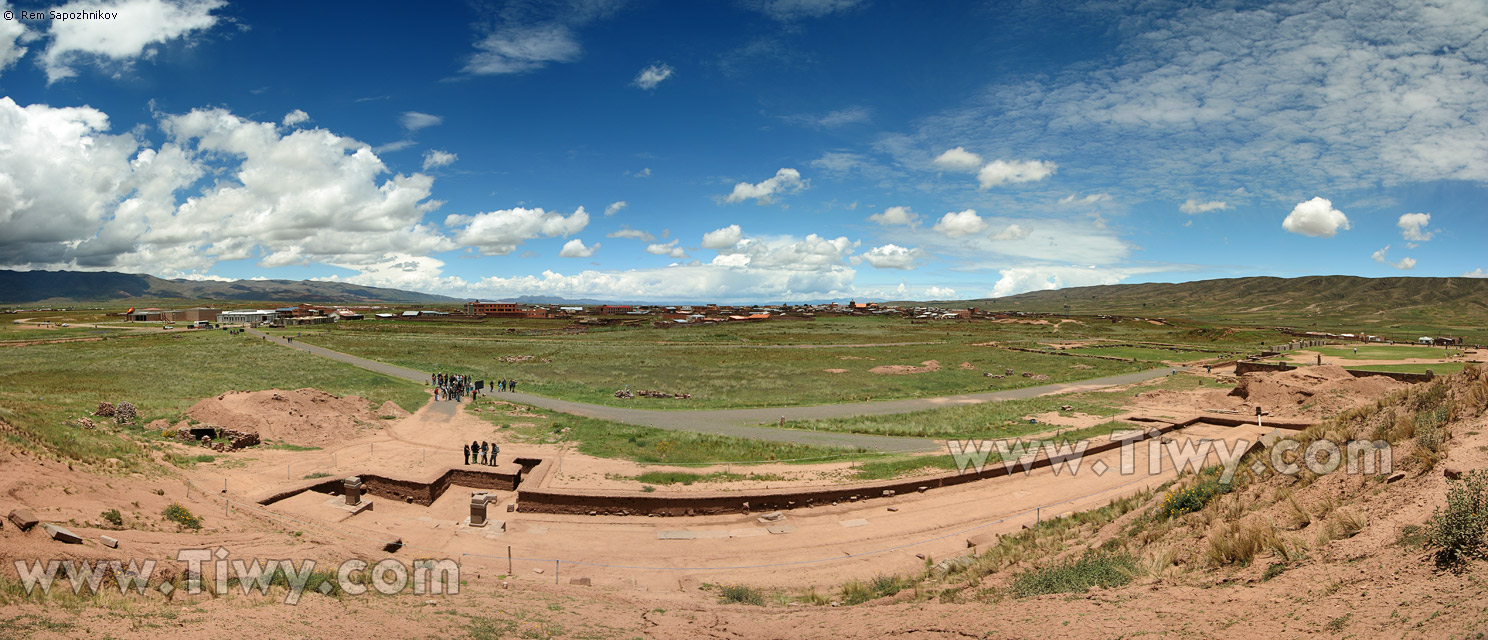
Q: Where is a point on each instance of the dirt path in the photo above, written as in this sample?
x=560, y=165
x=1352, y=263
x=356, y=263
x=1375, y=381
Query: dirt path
x=745, y=423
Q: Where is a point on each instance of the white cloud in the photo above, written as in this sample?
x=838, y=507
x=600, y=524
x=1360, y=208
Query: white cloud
x=295, y=117
x=666, y=249
x=957, y=224
x=643, y=173
x=519, y=49
x=73, y=196
x=789, y=10
x=999, y=172
x=694, y=282
x=892, y=256
x=414, y=120
x=500, y=232
x=1413, y=227
x=1012, y=232
x=811, y=253
x=12, y=34
x=390, y=147
x=615, y=207
x=128, y=36
x=1316, y=218
x=1093, y=198
x=1192, y=206
x=834, y=119
x=1042, y=278
x=1381, y=257
x=631, y=234
x=958, y=159
x=653, y=75
x=575, y=249
x=940, y=293
x=785, y=181
x=724, y=238
x=896, y=216
x=434, y=158
x=1476, y=273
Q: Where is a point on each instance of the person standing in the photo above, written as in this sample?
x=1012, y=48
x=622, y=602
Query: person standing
x=495, y=449
x=467, y=455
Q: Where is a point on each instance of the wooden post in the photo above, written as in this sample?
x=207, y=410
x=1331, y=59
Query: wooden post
x=555, y=572
x=508, y=560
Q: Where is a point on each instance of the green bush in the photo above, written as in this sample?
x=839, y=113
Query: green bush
x=1188, y=500
x=1458, y=532
x=113, y=517
x=1094, y=569
x=741, y=594
x=181, y=516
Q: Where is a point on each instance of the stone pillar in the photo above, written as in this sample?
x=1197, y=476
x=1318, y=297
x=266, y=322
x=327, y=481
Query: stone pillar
x=478, y=509
x=353, y=487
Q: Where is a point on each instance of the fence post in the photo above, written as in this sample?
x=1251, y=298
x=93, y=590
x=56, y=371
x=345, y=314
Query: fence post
x=555, y=572
x=508, y=560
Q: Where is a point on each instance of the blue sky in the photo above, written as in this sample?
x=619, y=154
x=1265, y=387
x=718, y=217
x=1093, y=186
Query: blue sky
x=745, y=150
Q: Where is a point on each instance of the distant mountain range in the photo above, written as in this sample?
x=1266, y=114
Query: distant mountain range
x=99, y=286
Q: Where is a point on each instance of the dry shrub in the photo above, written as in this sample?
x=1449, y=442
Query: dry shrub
x=1238, y=543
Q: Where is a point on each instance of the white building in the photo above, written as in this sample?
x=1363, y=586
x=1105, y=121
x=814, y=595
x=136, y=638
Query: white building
x=256, y=316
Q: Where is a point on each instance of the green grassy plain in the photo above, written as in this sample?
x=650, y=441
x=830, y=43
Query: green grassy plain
x=773, y=363
x=1386, y=352
x=44, y=387
x=1439, y=368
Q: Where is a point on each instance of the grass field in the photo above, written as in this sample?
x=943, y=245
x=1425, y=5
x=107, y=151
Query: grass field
x=43, y=387
x=999, y=419
x=1150, y=354
x=1386, y=352
x=758, y=366
x=605, y=439
x=1439, y=368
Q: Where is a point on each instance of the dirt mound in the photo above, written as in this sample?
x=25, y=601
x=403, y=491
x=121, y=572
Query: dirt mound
x=304, y=416
x=902, y=369
x=835, y=370
x=391, y=408
x=1318, y=391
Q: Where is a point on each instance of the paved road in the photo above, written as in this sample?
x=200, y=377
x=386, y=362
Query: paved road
x=745, y=423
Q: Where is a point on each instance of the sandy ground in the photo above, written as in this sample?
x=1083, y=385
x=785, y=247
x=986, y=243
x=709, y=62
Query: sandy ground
x=643, y=585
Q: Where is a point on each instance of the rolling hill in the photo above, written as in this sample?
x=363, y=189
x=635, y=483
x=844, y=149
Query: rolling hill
x=81, y=286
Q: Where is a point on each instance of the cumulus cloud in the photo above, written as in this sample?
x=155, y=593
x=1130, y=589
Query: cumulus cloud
x=1002, y=172
x=957, y=224
x=896, y=216
x=958, y=159
x=615, y=207
x=433, y=159
x=940, y=293
x=140, y=25
x=666, y=249
x=643, y=173
x=811, y=253
x=692, y=282
x=1476, y=273
x=1381, y=257
x=74, y=196
x=1413, y=227
x=631, y=234
x=724, y=238
x=575, y=249
x=1316, y=218
x=414, y=120
x=652, y=75
x=498, y=233
x=295, y=117
x=1192, y=206
x=1012, y=232
x=785, y=181
x=892, y=256
x=1042, y=278
x=791, y=10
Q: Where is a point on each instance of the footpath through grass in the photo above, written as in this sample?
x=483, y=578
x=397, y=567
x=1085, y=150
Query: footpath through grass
x=43, y=388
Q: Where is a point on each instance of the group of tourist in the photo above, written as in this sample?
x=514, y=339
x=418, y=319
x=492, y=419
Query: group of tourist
x=453, y=386
x=482, y=453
